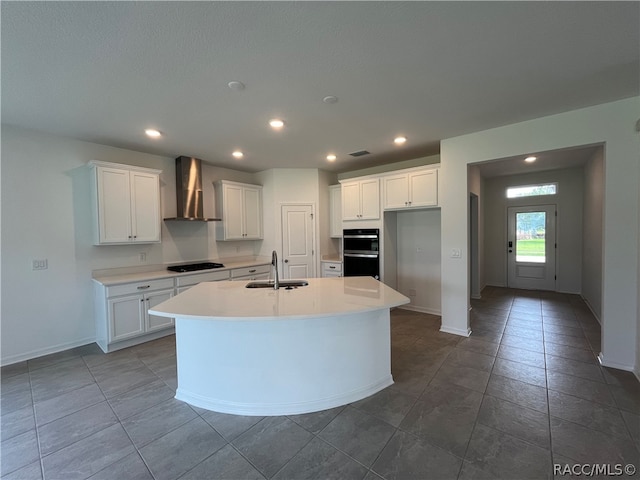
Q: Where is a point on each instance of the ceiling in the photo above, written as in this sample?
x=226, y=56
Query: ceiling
x=105, y=71
x=552, y=160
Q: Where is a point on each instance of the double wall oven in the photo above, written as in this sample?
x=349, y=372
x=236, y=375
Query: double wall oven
x=361, y=252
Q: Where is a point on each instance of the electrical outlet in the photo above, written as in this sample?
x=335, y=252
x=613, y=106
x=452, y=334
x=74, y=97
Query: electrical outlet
x=42, y=264
x=412, y=292
x=142, y=257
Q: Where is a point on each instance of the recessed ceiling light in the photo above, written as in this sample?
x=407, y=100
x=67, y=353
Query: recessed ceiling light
x=153, y=133
x=238, y=154
x=530, y=159
x=331, y=157
x=399, y=140
x=276, y=123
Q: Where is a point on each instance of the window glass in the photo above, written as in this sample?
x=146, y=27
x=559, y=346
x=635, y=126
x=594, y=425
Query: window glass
x=530, y=237
x=532, y=190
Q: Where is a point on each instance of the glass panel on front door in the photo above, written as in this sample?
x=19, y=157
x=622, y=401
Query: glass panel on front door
x=530, y=237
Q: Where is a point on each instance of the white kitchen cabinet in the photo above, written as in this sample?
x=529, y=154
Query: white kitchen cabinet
x=259, y=272
x=126, y=204
x=335, y=211
x=361, y=199
x=122, y=317
x=413, y=189
x=185, y=282
x=331, y=269
x=240, y=206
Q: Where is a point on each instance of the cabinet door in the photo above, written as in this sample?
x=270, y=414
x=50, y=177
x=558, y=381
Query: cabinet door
x=396, y=192
x=126, y=317
x=424, y=188
x=351, y=201
x=145, y=207
x=252, y=203
x=154, y=322
x=335, y=211
x=233, y=216
x=114, y=206
x=370, y=203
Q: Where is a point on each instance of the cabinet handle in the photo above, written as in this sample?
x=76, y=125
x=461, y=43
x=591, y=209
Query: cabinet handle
x=144, y=287
x=252, y=271
x=332, y=266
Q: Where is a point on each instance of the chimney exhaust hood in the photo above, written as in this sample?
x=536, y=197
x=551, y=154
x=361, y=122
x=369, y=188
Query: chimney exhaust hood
x=189, y=191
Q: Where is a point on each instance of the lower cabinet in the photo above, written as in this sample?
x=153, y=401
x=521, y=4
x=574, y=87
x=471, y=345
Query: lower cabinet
x=122, y=311
x=122, y=317
x=331, y=269
x=260, y=272
x=185, y=282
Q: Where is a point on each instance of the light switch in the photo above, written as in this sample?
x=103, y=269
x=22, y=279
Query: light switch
x=456, y=253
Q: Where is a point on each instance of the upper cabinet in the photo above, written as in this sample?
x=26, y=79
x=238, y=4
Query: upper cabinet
x=361, y=199
x=335, y=211
x=126, y=201
x=240, y=206
x=411, y=189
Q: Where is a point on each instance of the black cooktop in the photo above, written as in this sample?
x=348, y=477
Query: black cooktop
x=192, y=267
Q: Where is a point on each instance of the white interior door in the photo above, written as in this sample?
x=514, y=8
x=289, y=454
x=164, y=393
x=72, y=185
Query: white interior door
x=297, y=241
x=531, y=247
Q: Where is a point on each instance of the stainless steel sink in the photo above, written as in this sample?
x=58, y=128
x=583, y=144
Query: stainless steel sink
x=287, y=284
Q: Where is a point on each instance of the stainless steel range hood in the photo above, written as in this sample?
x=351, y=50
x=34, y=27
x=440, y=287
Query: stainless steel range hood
x=189, y=191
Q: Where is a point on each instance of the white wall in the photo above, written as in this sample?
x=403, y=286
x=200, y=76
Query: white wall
x=592, y=233
x=612, y=124
x=287, y=185
x=418, y=258
x=46, y=213
x=568, y=201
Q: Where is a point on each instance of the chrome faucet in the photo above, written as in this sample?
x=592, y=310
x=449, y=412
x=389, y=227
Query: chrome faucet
x=274, y=262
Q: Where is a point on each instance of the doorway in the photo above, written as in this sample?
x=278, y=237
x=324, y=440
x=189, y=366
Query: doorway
x=298, y=233
x=531, y=247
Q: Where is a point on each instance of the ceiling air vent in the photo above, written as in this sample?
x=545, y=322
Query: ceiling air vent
x=359, y=153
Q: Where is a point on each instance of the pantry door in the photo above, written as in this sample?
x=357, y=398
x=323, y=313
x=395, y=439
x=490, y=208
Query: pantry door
x=531, y=247
x=298, y=256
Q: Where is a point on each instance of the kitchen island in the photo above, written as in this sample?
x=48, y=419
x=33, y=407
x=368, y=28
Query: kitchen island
x=261, y=351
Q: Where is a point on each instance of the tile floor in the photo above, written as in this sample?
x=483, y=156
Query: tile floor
x=524, y=391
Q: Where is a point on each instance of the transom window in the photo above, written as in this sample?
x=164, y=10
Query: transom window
x=532, y=190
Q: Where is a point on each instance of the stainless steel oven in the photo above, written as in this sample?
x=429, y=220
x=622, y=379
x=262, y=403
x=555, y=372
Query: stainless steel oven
x=361, y=252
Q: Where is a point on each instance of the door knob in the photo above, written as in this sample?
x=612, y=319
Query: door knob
x=286, y=261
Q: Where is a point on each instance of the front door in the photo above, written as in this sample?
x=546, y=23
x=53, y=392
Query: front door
x=531, y=247
x=297, y=241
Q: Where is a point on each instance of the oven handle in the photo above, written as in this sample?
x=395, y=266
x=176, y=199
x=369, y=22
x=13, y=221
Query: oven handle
x=361, y=236
x=360, y=255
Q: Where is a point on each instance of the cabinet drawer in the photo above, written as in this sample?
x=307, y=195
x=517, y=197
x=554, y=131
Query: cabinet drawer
x=332, y=267
x=139, y=287
x=250, y=271
x=188, y=280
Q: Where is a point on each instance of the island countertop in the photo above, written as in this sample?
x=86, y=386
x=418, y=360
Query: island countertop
x=322, y=297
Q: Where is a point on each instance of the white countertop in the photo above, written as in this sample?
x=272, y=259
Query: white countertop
x=322, y=297
x=117, y=276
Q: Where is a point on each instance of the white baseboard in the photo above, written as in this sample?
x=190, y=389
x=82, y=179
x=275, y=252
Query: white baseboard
x=415, y=308
x=591, y=309
x=11, y=359
x=456, y=331
x=619, y=366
